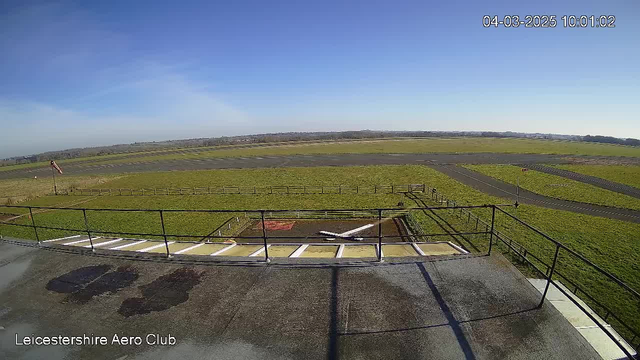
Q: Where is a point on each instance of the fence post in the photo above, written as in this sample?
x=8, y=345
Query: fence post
x=493, y=218
x=33, y=223
x=264, y=237
x=86, y=225
x=553, y=267
x=379, y=235
x=164, y=234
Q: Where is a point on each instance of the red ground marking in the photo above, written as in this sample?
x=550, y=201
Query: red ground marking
x=274, y=225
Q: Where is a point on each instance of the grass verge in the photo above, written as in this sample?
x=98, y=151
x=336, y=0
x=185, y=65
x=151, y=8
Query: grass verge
x=624, y=174
x=557, y=186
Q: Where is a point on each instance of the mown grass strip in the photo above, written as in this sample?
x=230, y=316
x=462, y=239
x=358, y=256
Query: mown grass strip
x=557, y=186
x=624, y=174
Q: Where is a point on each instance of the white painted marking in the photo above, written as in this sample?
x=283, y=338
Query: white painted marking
x=104, y=243
x=79, y=241
x=458, y=247
x=155, y=246
x=347, y=234
x=340, y=251
x=357, y=230
x=299, y=251
x=223, y=250
x=189, y=248
x=418, y=250
x=127, y=245
x=64, y=238
x=328, y=233
x=259, y=251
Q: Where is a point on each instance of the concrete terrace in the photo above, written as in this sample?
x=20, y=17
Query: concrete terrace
x=455, y=308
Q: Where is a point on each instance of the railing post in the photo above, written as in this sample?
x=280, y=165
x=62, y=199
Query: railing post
x=553, y=267
x=379, y=235
x=264, y=237
x=164, y=234
x=86, y=225
x=33, y=223
x=493, y=219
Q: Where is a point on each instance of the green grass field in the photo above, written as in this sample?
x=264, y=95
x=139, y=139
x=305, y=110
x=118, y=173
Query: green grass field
x=609, y=243
x=557, y=186
x=403, y=145
x=624, y=174
x=18, y=190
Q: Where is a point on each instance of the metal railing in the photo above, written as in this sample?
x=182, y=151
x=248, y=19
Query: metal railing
x=261, y=215
x=464, y=211
x=550, y=269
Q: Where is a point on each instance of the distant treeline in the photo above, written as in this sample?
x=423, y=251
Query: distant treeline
x=611, y=140
x=293, y=137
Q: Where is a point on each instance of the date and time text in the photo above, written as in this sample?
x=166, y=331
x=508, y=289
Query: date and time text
x=549, y=21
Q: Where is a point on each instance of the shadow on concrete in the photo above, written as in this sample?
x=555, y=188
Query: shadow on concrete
x=451, y=319
x=332, y=350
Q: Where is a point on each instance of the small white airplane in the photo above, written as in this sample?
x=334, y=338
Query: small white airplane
x=347, y=234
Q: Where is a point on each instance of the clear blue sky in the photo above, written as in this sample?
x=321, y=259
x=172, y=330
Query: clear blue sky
x=81, y=73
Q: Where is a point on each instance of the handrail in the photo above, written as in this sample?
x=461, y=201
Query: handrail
x=581, y=257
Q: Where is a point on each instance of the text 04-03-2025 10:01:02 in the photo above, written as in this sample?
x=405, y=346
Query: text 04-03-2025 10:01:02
x=549, y=21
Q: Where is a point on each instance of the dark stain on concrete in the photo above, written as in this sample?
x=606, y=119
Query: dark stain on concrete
x=163, y=293
x=111, y=282
x=76, y=279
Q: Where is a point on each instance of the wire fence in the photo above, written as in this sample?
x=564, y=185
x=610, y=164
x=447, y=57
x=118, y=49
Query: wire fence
x=251, y=190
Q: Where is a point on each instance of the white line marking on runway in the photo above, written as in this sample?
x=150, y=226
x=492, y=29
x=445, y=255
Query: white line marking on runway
x=299, y=251
x=127, y=245
x=64, y=238
x=259, y=251
x=79, y=241
x=104, y=243
x=155, y=246
x=223, y=250
x=189, y=248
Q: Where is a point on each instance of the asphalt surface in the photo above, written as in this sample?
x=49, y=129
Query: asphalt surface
x=462, y=308
x=289, y=161
x=592, y=180
x=499, y=188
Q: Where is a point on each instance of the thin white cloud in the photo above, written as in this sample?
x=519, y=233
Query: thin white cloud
x=168, y=106
x=112, y=98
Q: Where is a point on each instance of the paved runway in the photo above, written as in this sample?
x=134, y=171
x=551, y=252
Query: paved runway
x=291, y=161
x=499, y=188
x=440, y=161
x=592, y=180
